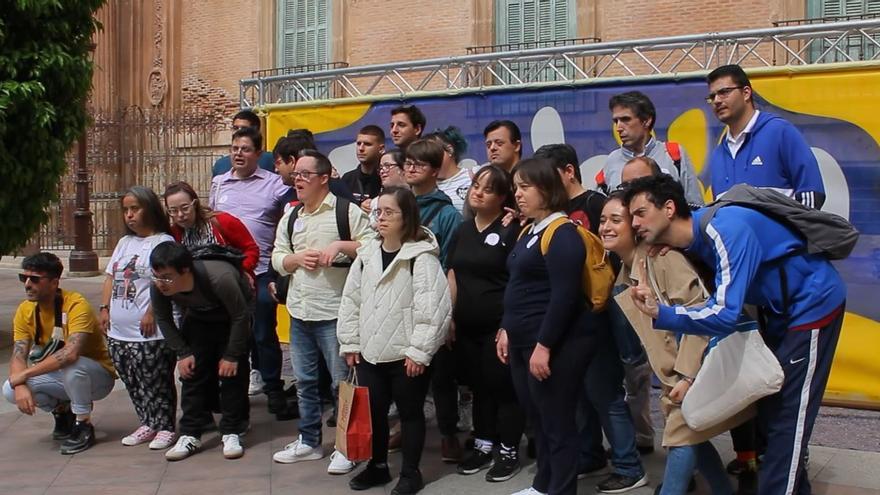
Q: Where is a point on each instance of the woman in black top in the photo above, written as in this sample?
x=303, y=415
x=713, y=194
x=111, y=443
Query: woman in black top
x=477, y=277
x=547, y=330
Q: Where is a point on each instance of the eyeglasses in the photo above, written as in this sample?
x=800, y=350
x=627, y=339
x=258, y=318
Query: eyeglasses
x=415, y=164
x=388, y=166
x=306, y=175
x=722, y=93
x=244, y=150
x=161, y=280
x=184, y=209
x=35, y=279
x=387, y=212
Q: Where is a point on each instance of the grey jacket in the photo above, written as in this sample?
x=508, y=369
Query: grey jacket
x=656, y=150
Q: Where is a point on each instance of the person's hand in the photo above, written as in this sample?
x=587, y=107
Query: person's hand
x=642, y=295
x=365, y=205
x=501, y=345
x=658, y=250
x=413, y=369
x=307, y=259
x=251, y=282
x=148, y=324
x=539, y=363
x=24, y=399
x=352, y=359
x=273, y=292
x=227, y=369
x=513, y=215
x=450, y=336
x=17, y=379
x=104, y=320
x=678, y=392
x=329, y=254
x=186, y=367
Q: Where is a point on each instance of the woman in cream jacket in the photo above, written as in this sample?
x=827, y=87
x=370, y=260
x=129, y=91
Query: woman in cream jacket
x=394, y=316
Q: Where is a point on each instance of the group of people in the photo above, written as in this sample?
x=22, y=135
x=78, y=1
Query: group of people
x=422, y=278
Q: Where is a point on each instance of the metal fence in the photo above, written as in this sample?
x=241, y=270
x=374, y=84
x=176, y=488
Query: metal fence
x=134, y=146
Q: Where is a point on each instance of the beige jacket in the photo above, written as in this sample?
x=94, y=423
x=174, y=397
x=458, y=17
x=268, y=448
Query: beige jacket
x=678, y=283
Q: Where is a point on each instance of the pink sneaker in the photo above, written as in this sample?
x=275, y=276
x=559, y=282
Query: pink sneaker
x=164, y=439
x=139, y=436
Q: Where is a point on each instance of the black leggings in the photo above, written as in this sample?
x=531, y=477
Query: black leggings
x=497, y=414
x=387, y=382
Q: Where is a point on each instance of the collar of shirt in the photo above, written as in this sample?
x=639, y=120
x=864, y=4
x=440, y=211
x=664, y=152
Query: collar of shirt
x=629, y=154
x=537, y=228
x=739, y=138
x=259, y=173
x=329, y=201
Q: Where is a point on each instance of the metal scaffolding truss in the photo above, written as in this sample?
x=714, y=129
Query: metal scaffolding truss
x=848, y=41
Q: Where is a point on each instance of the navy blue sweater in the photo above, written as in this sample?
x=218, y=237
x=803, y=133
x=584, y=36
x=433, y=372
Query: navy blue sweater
x=544, y=297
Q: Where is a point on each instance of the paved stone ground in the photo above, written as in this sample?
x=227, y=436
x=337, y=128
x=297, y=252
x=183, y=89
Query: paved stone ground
x=30, y=463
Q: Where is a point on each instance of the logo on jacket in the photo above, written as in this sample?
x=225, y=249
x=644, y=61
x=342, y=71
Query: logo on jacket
x=757, y=161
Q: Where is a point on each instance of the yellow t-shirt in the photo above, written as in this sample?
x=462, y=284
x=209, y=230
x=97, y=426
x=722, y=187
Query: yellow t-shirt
x=80, y=319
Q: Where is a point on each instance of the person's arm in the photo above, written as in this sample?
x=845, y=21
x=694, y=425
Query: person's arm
x=801, y=167
x=282, y=253
x=348, y=326
x=565, y=259
x=431, y=310
x=215, y=190
x=104, y=308
x=164, y=316
x=688, y=178
x=238, y=236
x=738, y=255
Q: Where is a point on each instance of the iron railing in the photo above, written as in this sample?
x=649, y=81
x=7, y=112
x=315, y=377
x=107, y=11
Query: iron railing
x=769, y=47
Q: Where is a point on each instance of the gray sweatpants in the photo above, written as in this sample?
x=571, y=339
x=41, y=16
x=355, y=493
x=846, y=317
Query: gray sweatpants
x=81, y=383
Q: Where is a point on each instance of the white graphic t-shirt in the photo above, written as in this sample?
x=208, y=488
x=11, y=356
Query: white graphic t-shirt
x=456, y=187
x=130, y=270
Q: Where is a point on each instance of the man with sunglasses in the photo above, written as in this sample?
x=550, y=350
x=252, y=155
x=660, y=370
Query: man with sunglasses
x=758, y=148
x=242, y=119
x=59, y=360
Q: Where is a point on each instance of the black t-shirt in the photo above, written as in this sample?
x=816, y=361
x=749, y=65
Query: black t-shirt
x=585, y=210
x=388, y=257
x=363, y=186
x=480, y=263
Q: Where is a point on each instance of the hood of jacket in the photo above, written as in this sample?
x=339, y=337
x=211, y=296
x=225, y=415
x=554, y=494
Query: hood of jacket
x=408, y=251
x=434, y=199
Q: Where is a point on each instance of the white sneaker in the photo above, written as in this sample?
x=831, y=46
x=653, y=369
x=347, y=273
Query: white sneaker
x=185, y=447
x=232, y=448
x=255, y=387
x=339, y=464
x=141, y=435
x=163, y=440
x=298, y=451
x=529, y=491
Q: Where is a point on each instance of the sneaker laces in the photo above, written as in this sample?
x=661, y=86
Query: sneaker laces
x=165, y=436
x=231, y=441
x=484, y=446
x=507, y=452
x=142, y=433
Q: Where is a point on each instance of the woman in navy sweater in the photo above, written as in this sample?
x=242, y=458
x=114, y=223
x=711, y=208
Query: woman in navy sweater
x=547, y=330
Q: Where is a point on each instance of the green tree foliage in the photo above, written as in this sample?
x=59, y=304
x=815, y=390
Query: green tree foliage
x=45, y=77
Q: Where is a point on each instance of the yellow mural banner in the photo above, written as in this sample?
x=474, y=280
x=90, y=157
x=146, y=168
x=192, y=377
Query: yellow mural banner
x=317, y=119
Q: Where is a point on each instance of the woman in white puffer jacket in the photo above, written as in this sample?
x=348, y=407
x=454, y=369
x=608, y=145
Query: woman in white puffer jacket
x=394, y=316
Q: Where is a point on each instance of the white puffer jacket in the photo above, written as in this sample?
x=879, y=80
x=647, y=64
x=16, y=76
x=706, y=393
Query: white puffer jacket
x=403, y=311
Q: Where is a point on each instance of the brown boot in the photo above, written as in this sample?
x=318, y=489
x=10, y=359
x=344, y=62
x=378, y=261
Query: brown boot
x=450, y=449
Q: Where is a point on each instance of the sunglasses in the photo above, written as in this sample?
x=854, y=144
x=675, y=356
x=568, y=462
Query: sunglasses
x=33, y=278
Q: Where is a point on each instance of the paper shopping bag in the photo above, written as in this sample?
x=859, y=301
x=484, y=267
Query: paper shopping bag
x=354, y=427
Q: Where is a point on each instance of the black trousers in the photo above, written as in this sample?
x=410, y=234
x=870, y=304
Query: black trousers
x=551, y=405
x=387, y=382
x=199, y=393
x=444, y=384
x=498, y=416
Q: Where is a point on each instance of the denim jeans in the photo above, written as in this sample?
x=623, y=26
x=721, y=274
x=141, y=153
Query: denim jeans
x=603, y=408
x=680, y=464
x=308, y=340
x=266, y=348
x=80, y=383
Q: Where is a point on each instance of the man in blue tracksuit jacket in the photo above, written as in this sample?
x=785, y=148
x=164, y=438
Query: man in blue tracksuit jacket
x=759, y=148
x=754, y=258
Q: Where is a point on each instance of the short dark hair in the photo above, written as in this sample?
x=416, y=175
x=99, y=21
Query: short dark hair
x=452, y=137
x=499, y=180
x=304, y=134
x=170, y=254
x=151, y=205
x=322, y=163
x=638, y=102
x=659, y=189
x=409, y=209
x=561, y=155
x=650, y=162
x=512, y=128
x=251, y=133
x=415, y=115
x=289, y=147
x=43, y=262
x=541, y=174
x=397, y=155
x=373, y=130
x=733, y=71
x=426, y=150
x=250, y=116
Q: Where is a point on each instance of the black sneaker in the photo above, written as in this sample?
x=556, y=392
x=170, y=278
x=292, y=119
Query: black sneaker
x=81, y=438
x=277, y=401
x=747, y=482
x=617, y=483
x=291, y=412
x=505, y=467
x=370, y=477
x=475, y=462
x=408, y=484
x=64, y=422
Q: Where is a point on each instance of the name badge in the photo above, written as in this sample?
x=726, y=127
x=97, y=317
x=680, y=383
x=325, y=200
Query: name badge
x=298, y=225
x=492, y=239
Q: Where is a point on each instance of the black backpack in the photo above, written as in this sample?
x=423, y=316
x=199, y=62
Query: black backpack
x=282, y=283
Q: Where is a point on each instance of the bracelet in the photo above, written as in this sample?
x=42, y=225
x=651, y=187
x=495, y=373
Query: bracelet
x=688, y=379
x=103, y=307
